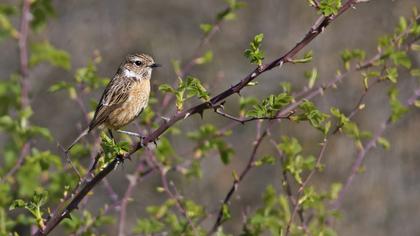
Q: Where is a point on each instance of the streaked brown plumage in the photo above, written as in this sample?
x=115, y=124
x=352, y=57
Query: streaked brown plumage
x=126, y=95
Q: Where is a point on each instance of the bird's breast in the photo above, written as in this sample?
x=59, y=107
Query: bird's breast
x=138, y=97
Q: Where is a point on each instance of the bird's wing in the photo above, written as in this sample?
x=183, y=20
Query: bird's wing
x=115, y=94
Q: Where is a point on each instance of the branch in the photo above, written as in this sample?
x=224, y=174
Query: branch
x=288, y=189
x=23, y=51
x=167, y=99
x=237, y=181
x=305, y=183
x=243, y=120
x=80, y=193
x=363, y=153
x=133, y=179
x=24, y=72
x=175, y=196
x=24, y=151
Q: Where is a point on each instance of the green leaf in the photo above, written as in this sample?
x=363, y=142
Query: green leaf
x=397, y=108
x=45, y=52
x=206, y=58
x=245, y=102
x=415, y=73
x=188, y=88
x=329, y=7
x=311, y=113
x=194, y=88
x=290, y=146
x=193, y=210
x=18, y=203
x=254, y=53
x=208, y=138
x=229, y=13
x=417, y=103
x=348, y=55
x=148, y=226
x=34, y=206
x=335, y=190
x=266, y=160
x=384, y=142
x=392, y=74
x=6, y=27
x=401, y=58
x=402, y=25
x=41, y=10
x=166, y=88
x=59, y=86
x=270, y=105
x=88, y=76
x=206, y=28
x=165, y=152
x=225, y=152
x=312, y=76
x=307, y=57
x=225, y=213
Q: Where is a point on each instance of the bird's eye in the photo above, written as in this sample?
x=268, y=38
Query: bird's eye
x=138, y=63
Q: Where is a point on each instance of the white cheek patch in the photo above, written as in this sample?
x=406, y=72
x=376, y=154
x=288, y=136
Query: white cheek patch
x=147, y=73
x=129, y=73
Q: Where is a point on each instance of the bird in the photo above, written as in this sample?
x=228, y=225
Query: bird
x=125, y=97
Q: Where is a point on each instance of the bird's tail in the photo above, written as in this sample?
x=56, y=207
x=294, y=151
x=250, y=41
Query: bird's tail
x=84, y=133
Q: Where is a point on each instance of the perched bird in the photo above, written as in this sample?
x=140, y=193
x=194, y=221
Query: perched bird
x=125, y=96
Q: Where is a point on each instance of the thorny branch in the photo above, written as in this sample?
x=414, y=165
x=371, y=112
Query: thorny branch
x=72, y=203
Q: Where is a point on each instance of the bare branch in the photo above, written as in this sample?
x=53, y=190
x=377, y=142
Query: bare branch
x=260, y=137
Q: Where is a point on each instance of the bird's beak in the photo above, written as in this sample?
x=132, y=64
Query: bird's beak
x=154, y=65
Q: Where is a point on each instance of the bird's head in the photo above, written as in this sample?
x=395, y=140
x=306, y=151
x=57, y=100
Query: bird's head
x=139, y=66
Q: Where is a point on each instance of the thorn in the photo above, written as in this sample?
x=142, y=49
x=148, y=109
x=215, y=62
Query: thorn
x=166, y=119
x=186, y=115
x=201, y=113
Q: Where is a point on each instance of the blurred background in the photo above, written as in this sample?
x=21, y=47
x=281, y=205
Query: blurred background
x=383, y=200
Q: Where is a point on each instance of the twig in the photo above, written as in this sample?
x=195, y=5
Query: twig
x=363, y=153
x=163, y=171
x=305, y=183
x=288, y=189
x=24, y=72
x=167, y=99
x=260, y=137
x=23, y=152
x=23, y=52
x=132, y=182
x=244, y=120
